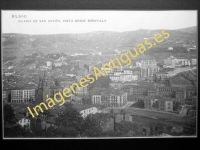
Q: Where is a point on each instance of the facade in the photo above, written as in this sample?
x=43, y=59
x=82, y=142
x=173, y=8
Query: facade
x=96, y=99
x=49, y=63
x=194, y=61
x=165, y=105
x=140, y=90
x=85, y=110
x=175, y=62
x=116, y=85
x=114, y=99
x=162, y=103
x=148, y=67
x=129, y=90
x=162, y=75
x=109, y=97
x=23, y=95
x=5, y=98
x=149, y=101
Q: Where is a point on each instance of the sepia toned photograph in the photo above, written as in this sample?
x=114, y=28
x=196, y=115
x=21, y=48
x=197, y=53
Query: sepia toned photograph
x=99, y=74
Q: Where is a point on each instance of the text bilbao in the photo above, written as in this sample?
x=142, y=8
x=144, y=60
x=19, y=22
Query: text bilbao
x=123, y=59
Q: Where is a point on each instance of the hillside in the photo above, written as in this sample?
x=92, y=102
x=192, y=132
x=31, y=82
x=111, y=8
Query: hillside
x=105, y=41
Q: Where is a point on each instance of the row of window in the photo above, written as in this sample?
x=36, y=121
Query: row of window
x=20, y=101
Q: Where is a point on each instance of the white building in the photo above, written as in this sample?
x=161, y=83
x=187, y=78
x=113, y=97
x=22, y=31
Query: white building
x=194, y=61
x=96, y=99
x=170, y=48
x=85, y=110
x=23, y=121
x=49, y=63
x=22, y=95
x=169, y=105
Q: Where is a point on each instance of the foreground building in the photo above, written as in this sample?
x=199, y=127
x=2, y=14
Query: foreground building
x=22, y=95
x=109, y=97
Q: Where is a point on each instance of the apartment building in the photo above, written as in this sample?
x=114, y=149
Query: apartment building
x=159, y=103
x=23, y=95
x=165, y=104
x=148, y=67
x=109, y=97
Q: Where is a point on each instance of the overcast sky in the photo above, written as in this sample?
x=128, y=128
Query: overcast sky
x=115, y=21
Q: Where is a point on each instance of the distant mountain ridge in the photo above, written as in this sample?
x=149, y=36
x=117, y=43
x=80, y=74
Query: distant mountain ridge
x=189, y=29
x=104, y=41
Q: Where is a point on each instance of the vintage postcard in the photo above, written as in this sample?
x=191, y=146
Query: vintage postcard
x=99, y=74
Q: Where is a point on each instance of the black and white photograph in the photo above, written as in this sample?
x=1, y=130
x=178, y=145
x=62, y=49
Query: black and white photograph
x=99, y=74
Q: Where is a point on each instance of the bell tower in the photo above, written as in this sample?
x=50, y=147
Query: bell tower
x=43, y=88
x=45, y=81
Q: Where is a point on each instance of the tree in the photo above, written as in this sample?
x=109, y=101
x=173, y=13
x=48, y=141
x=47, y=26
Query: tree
x=70, y=118
x=9, y=116
x=138, y=104
x=91, y=127
x=176, y=105
x=159, y=129
x=36, y=128
x=16, y=131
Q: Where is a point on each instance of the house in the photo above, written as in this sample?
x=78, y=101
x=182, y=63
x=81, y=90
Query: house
x=85, y=110
x=23, y=121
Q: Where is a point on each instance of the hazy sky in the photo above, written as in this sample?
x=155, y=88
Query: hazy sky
x=115, y=21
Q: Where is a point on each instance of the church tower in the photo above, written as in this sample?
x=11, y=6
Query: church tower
x=43, y=88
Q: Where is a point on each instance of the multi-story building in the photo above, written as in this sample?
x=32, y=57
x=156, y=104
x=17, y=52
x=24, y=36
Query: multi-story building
x=128, y=71
x=109, y=97
x=165, y=104
x=149, y=101
x=152, y=92
x=193, y=61
x=23, y=95
x=166, y=91
x=148, y=67
x=114, y=78
x=162, y=75
x=5, y=96
x=140, y=90
x=128, y=89
x=116, y=85
x=137, y=71
x=82, y=91
x=190, y=92
x=175, y=62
